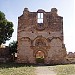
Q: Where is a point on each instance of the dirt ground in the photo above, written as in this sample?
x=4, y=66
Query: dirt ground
x=44, y=70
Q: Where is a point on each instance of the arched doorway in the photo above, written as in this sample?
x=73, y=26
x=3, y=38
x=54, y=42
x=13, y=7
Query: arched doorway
x=40, y=56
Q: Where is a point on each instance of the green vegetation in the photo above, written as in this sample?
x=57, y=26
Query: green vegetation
x=6, y=28
x=13, y=47
x=63, y=69
x=39, y=60
x=16, y=69
x=22, y=69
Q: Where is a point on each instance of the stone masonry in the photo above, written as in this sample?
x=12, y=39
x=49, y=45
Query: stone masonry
x=40, y=32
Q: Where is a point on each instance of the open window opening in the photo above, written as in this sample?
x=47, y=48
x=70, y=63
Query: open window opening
x=40, y=18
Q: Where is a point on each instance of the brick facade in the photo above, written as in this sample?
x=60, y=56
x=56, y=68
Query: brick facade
x=46, y=37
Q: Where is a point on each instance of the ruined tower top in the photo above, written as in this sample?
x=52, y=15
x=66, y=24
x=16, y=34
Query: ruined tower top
x=54, y=11
x=41, y=20
x=26, y=9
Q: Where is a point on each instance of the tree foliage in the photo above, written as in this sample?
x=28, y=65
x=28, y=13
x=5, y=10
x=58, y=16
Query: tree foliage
x=6, y=28
x=13, y=47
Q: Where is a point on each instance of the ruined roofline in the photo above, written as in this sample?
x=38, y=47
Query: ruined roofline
x=53, y=11
x=41, y=10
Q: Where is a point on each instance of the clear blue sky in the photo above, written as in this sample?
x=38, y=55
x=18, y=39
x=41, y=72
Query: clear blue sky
x=14, y=8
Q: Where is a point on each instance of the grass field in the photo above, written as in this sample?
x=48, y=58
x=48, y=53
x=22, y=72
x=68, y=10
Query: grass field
x=16, y=69
x=22, y=69
x=63, y=69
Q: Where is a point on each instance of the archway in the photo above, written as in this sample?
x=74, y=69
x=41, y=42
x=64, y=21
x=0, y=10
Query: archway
x=40, y=56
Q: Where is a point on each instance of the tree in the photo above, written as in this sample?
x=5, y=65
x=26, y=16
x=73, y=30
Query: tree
x=13, y=49
x=6, y=28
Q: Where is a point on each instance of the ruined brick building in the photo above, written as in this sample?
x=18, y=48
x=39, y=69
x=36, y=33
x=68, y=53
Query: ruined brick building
x=40, y=35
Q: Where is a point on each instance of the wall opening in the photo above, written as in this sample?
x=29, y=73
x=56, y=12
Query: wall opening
x=39, y=17
x=40, y=57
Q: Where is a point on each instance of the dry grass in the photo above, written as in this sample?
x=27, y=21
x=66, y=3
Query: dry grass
x=16, y=69
x=64, y=69
x=22, y=69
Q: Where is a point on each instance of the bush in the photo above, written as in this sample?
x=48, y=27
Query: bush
x=40, y=60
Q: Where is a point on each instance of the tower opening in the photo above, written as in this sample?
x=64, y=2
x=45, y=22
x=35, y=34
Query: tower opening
x=39, y=17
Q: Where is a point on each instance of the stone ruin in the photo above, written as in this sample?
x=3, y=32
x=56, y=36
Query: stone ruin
x=70, y=58
x=40, y=35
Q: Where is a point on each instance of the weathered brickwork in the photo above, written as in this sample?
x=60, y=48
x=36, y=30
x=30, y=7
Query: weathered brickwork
x=46, y=37
x=4, y=54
